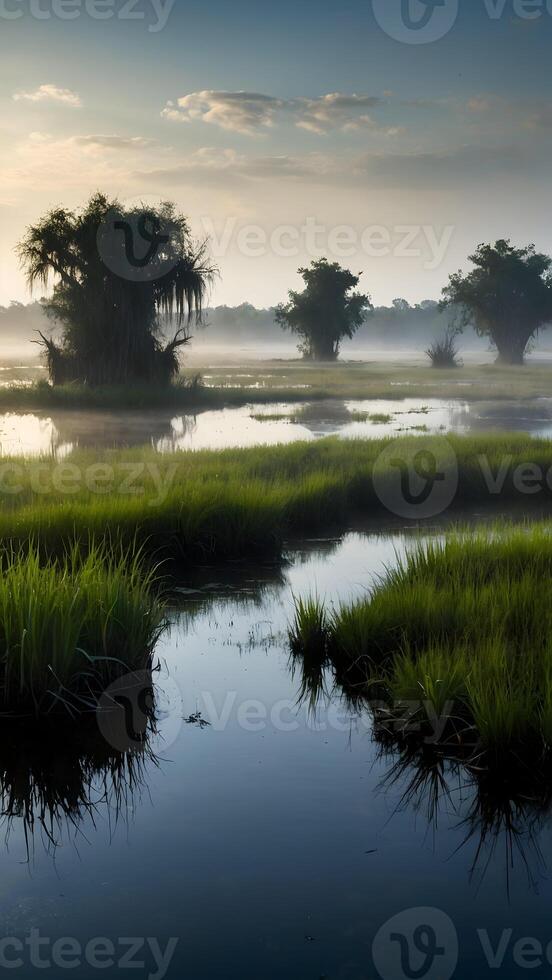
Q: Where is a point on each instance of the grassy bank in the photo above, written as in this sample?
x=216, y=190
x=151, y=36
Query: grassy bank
x=296, y=381
x=69, y=628
x=240, y=503
x=464, y=625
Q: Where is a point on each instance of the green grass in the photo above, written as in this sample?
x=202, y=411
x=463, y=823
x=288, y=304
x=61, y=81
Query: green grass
x=237, y=503
x=463, y=624
x=273, y=417
x=69, y=628
x=311, y=629
x=296, y=381
x=379, y=418
x=313, y=411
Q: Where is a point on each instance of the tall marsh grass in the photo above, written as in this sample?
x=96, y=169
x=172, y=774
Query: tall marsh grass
x=69, y=627
x=464, y=625
x=242, y=502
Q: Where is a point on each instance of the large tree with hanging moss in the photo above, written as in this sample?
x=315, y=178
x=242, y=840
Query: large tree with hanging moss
x=109, y=301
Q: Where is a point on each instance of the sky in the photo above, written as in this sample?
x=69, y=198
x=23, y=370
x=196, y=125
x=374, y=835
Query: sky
x=392, y=136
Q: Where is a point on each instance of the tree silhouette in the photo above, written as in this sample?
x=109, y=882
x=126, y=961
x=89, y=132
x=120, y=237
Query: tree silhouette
x=326, y=310
x=507, y=296
x=115, y=273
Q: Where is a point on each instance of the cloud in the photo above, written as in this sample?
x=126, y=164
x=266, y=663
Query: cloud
x=211, y=166
x=541, y=118
x=50, y=93
x=251, y=112
x=42, y=162
x=113, y=142
x=465, y=165
x=479, y=104
x=241, y=112
x=429, y=171
x=512, y=114
x=334, y=111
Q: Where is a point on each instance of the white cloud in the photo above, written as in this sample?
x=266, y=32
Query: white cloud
x=251, y=112
x=241, y=112
x=42, y=162
x=113, y=142
x=429, y=171
x=335, y=111
x=211, y=166
x=50, y=93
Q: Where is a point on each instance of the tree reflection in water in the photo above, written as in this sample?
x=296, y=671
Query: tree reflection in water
x=500, y=804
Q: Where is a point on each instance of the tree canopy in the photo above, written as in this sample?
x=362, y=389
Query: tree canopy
x=326, y=311
x=115, y=272
x=507, y=296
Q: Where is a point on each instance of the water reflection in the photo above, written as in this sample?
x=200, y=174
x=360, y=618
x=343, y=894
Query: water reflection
x=241, y=836
x=228, y=637
x=60, y=432
x=56, y=774
x=500, y=810
x=499, y=804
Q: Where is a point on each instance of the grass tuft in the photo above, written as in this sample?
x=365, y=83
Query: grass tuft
x=463, y=625
x=69, y=627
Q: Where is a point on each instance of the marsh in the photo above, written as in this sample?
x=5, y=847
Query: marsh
x=215, y=811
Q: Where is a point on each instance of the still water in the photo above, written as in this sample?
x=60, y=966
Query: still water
x=270, y=839
x=59, y=433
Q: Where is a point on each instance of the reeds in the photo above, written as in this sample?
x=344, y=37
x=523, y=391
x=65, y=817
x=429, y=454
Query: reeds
x=69, y=627
x=462, y=625
x=244, y=502
x=443, y=352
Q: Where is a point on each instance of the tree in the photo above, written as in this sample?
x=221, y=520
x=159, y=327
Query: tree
x=507, y=297
x=116, y=272
x=326, y=310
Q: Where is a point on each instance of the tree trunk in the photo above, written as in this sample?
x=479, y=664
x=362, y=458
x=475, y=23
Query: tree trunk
x=324, y=350
x=511, y=350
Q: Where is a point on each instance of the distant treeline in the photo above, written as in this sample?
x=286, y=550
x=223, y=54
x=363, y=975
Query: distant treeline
x=397, y=325
x=19, y=323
